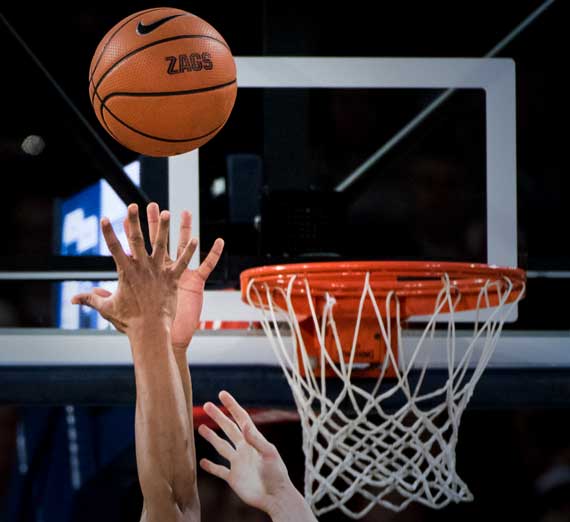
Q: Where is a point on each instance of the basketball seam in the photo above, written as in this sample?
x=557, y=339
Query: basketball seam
x=152, y=44
x=149, y=136
x=166, y=93
x=103, y=107
x=103, y=119
x=115, y=34
x=167, y=140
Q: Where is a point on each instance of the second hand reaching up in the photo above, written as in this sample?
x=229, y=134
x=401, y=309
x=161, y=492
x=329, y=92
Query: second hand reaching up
x=257, y=474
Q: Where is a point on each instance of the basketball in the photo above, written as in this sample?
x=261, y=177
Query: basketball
x=162, y=82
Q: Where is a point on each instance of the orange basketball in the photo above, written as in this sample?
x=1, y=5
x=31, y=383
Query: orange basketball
x=162, y=82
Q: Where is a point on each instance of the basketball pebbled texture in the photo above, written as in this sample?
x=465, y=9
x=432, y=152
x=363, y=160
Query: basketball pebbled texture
x=162, y=82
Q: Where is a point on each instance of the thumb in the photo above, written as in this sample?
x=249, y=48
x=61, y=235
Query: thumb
x=102, y=292
x=93, y=300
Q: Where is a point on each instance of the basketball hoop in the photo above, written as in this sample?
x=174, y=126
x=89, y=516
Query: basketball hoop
x=388, y=436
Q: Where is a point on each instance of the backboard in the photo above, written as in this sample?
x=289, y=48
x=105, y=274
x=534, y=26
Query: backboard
x=375, y=210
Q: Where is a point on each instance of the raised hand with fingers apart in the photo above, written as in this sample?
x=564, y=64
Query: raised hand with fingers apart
x=147, y=282
x=144, y=306
x=257, y=474
x=191, y=282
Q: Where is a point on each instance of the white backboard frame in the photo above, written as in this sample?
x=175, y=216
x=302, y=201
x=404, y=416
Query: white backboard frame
x=496, y=76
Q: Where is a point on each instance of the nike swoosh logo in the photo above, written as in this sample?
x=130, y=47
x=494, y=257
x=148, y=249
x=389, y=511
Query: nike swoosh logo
x=143, y=29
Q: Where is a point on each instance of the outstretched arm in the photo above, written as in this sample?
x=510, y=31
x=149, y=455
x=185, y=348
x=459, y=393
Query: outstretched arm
x=257, y=473
x=166, y=457
x=144, y=307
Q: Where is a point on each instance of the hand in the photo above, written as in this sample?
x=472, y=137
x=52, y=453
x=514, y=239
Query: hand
x=191, y=282
x=147, y=287
x=257, y=473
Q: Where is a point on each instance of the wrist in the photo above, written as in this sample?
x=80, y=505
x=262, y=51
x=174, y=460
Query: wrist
x=144, y=328
x=180, y=348
x=180, y=351
x=288, y=504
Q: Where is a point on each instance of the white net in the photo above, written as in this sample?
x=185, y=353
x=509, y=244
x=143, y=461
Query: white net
x=390, y=441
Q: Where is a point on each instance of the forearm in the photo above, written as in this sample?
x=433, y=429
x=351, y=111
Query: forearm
x=164, y=440
x=291, y=507
x=184, y=371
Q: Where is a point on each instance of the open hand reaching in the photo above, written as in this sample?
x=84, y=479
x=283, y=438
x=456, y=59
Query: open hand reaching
x=257, y=474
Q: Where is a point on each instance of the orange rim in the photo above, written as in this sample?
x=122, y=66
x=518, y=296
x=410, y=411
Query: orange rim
x=416, y=282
